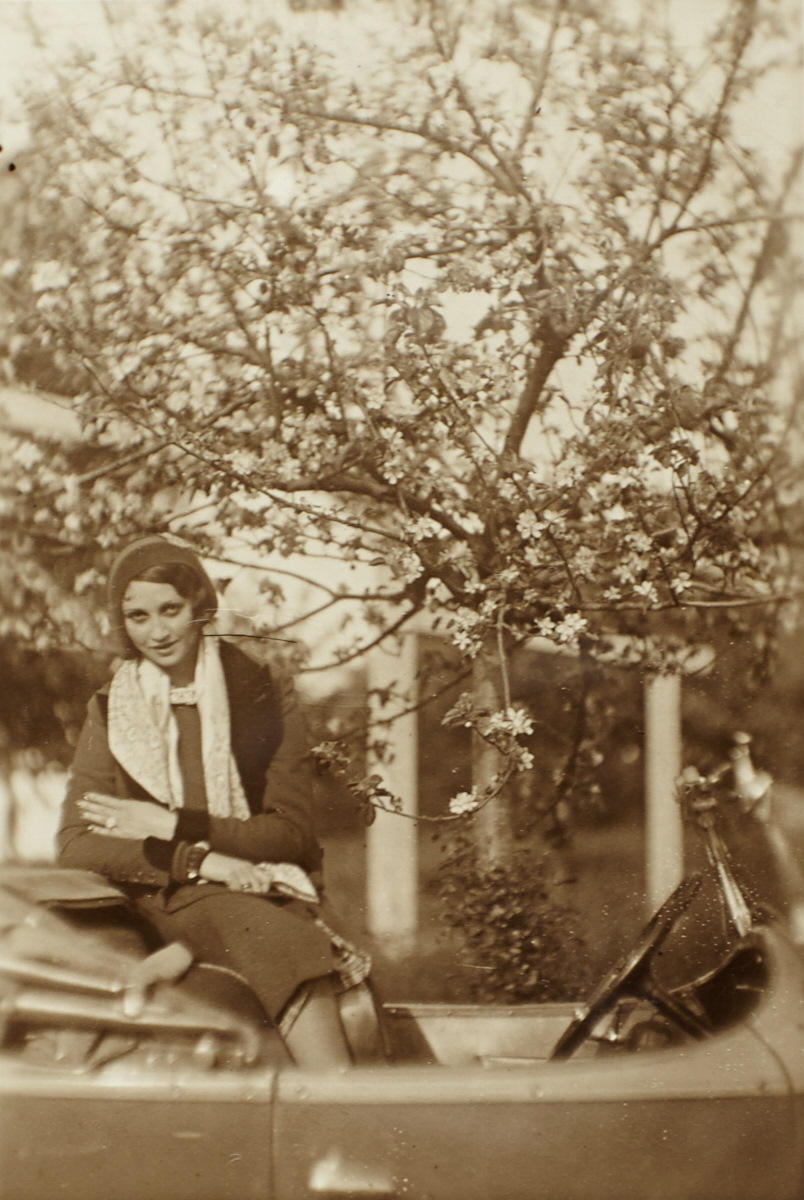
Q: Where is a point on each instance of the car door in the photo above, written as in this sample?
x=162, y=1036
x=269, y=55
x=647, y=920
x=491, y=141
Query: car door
x=174, y=1136
x=117, y=1082
x=713, y=1119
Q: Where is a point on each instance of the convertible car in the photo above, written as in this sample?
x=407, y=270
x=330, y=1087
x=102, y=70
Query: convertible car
x=127, y=1072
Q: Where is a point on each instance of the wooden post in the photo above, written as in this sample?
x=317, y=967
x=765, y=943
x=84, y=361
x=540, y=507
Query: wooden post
x=664, y=829
x=392, y=874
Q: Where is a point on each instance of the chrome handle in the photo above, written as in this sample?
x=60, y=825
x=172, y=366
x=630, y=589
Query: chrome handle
x=336, y=1178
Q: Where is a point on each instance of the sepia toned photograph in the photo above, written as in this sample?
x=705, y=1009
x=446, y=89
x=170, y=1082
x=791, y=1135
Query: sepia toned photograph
x=401, y=580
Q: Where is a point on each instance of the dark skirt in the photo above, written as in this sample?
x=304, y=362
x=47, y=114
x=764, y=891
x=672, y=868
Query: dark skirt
x=275, y=945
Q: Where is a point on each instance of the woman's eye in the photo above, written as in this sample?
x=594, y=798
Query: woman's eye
x=172, y=610
x=135, y=618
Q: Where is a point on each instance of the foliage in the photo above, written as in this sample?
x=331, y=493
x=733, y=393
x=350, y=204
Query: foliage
x=523, y=941
x=43, y=701
x=497, y=322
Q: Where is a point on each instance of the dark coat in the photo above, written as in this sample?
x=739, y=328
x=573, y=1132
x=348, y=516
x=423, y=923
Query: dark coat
x=269, y=747
x=275, y=944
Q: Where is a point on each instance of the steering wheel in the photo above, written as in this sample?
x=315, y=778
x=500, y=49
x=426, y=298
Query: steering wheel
x=631, y=975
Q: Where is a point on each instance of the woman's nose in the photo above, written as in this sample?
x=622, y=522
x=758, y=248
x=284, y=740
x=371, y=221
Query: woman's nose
x=158, y=629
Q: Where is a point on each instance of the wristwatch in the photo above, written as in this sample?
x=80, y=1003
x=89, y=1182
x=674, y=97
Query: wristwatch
x=195, y=857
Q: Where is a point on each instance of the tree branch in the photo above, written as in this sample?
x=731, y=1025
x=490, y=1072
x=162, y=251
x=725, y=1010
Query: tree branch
x=552, y=350
x=541, y=77
x=761, y=263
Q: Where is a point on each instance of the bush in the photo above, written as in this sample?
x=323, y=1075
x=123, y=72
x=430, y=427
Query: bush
x=523, y=941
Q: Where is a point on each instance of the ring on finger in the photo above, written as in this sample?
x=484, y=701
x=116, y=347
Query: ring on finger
x=110, y=823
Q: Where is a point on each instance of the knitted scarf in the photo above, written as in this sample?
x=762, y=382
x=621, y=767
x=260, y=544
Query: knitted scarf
x=144, y=736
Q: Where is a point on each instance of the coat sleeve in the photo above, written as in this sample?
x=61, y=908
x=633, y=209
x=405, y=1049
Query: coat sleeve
x=121, y=859
x=284, y=830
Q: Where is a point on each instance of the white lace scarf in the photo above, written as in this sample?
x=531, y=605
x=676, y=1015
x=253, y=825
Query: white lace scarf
x=144, y=736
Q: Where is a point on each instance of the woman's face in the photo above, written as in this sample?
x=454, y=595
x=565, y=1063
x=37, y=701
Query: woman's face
x=162, y=627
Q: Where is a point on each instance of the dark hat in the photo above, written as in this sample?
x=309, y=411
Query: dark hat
x=137, y=557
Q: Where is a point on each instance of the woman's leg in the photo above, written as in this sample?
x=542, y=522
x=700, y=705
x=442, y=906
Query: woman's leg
x=317, y=1038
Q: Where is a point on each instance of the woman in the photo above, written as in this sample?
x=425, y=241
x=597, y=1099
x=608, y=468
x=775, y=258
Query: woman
x=190, y=788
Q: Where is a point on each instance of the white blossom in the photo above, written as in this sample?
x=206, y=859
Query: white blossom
x=511, y=720
x=640, y=542
x=464, y=802
x=524, y=759
x=570, y=627
x=469, y=643
x=49, y=276
x=647, y=591
x=424, y=527
x=529, y=525
x=27, y=454
x=85, y=581
x=584, y=561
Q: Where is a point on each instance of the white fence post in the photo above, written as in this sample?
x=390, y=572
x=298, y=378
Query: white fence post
x=493, y=821
x=392, y=867
x=664, y=828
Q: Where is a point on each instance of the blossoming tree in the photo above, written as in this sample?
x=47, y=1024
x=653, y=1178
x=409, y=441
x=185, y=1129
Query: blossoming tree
x=490, y=298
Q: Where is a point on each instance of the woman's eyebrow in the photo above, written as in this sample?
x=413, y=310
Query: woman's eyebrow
x=135, y=612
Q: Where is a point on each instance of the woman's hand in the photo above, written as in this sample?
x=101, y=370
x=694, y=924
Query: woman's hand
x=133, y=819
x=237, y=873
x=285, y=879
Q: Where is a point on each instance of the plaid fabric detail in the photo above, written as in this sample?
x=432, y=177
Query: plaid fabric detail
x=352, y=966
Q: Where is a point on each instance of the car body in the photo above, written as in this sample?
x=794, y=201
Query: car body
x=125, y=1074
